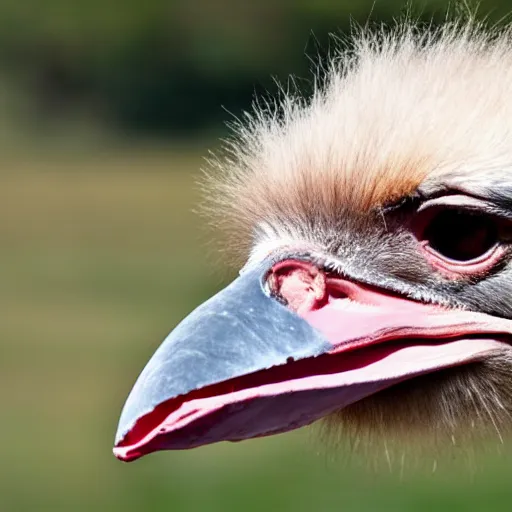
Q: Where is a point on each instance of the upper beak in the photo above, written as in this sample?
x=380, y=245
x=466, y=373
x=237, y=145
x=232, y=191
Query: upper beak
x=243, y=365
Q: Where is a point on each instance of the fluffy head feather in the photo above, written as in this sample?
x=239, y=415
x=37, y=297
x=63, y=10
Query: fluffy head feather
x=394, y=107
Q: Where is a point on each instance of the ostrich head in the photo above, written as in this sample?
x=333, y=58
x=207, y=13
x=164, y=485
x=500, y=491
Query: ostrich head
x=375, y=220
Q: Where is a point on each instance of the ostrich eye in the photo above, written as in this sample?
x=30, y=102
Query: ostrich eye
x=459, y=235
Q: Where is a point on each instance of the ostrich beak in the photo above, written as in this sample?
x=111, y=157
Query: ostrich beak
x=237, y=332
x=243, y=365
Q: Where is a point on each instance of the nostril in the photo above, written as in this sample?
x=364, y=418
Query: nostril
x=298, y=284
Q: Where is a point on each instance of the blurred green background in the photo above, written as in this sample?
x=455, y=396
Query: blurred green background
x=107, y=111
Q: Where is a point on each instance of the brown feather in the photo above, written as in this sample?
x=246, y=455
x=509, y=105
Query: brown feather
x=397, y=106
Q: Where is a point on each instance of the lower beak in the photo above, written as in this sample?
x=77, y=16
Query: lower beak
x=243, y=365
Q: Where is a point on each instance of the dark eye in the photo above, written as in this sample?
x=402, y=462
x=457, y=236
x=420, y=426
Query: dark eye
x=460, y=236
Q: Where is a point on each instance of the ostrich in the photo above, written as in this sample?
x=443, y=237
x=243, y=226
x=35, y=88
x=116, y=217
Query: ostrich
x=375, y=223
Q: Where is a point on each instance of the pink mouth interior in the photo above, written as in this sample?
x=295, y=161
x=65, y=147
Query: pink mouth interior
x=351, y=316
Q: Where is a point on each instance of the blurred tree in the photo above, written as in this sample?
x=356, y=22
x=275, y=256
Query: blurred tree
x=159, y=67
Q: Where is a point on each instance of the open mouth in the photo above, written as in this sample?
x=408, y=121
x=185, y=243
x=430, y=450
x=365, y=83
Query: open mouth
x=370, y=341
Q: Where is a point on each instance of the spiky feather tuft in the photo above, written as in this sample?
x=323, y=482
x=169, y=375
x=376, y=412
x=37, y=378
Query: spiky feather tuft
x=393, y=107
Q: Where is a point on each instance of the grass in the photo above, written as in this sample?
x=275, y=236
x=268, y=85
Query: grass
x=99, y=259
